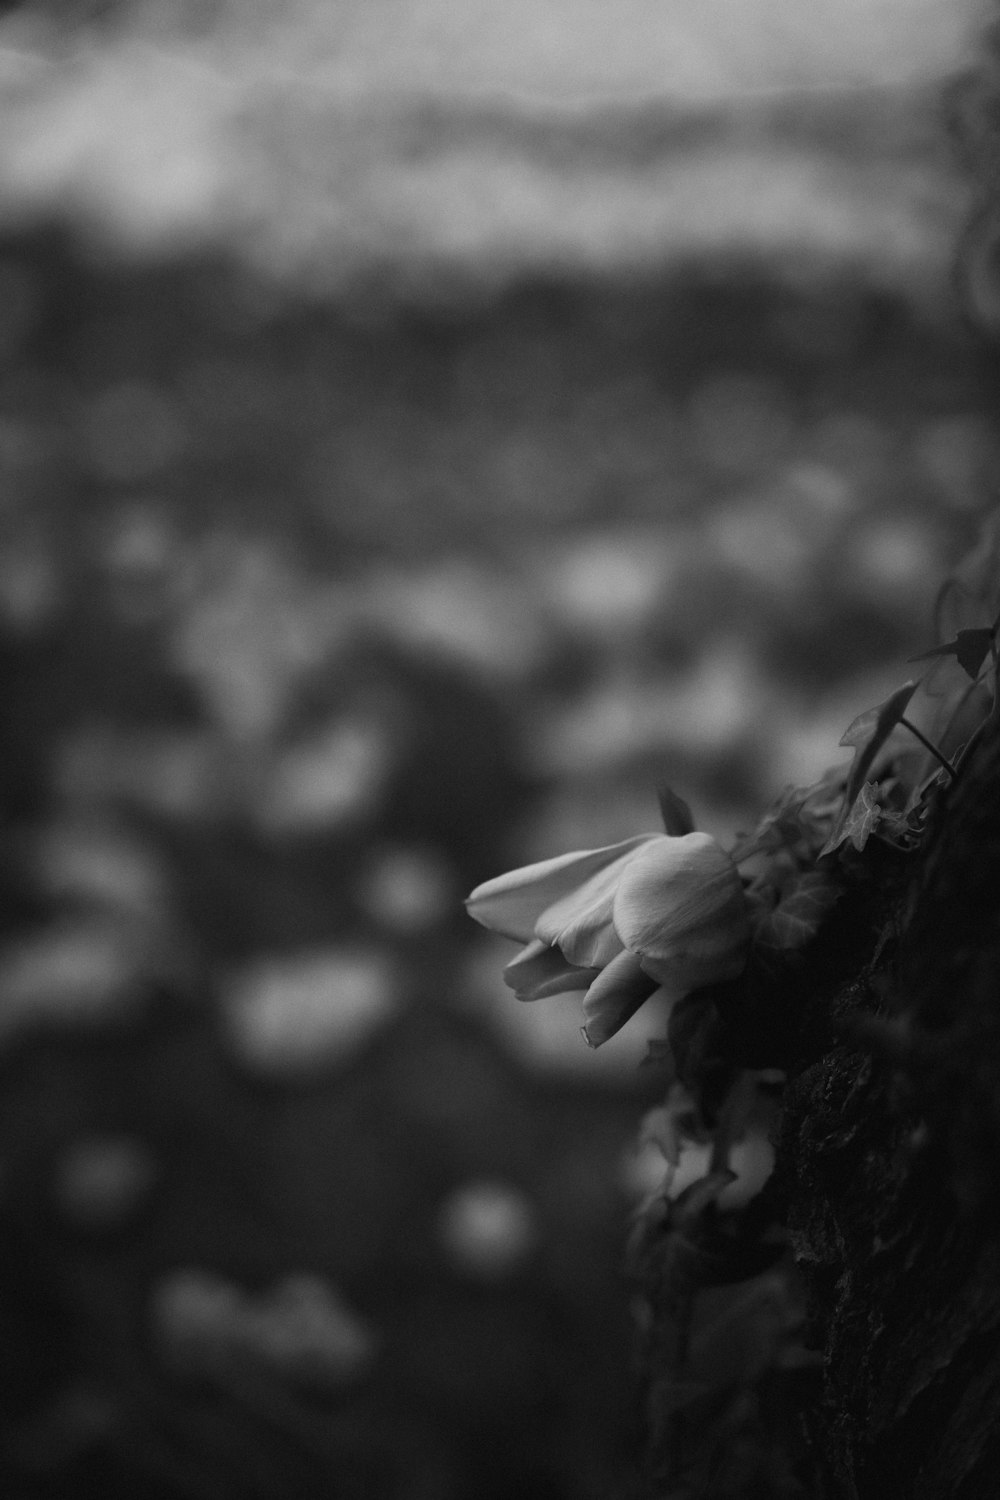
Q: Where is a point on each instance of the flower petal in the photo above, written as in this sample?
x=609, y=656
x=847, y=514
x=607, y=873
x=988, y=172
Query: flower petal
x=540, y=971
x=681, y=909
x=614, y=998
x=580, y=921
x=512, y=904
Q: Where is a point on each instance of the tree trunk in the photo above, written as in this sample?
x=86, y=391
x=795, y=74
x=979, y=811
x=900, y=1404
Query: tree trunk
x=891, y=1158
x=862, y=1361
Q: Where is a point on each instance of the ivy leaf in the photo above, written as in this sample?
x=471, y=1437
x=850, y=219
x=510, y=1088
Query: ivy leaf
x=798, y=820
x=676, y=815
x=799, y=915
x=863, y=818
x=792, y=821
x=779, y=828
x=868, y=733
x=860, y=823
x=970, y=647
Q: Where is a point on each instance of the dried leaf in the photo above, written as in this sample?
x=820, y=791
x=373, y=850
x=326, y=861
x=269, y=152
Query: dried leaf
x=970, y=647
x=676, y=815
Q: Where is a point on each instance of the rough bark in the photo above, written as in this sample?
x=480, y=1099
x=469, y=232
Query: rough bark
x=889, y=1152
x=837, y=1336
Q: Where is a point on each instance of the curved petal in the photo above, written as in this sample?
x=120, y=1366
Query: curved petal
x=541, y=971
x=614, y=998
x=580, y=921
x=681, y=909
x=512, y=904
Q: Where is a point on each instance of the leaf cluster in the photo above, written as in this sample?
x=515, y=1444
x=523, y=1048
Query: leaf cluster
x=889, y=788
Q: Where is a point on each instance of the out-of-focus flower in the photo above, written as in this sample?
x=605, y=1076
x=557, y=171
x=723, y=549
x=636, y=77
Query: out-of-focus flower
x=487, y=1229
x=306, y=1333
x=619, y=922
x=291, y=1017
x=101, y=1182
x=302, y=1332
x=78, y=972
x=408, y=890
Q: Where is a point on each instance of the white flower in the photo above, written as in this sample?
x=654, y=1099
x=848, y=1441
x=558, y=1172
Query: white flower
x=619, y=922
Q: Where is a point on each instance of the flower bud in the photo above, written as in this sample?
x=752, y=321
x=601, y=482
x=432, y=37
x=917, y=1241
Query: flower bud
x=619, y=922
x=680, y=908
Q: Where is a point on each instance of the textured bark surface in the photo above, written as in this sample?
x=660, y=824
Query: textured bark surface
x=837, y=1336
x=888, y=1154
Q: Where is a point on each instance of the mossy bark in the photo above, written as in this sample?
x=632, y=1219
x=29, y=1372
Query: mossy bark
x=890, y=1156
x=887, y=1189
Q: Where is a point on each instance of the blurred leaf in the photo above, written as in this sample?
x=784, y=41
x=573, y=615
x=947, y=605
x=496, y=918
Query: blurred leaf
x=676, y=815
x=669, y=1125
x=690, y=1204
x=658, y=1052
x=658, y=1128
x=780, y=828
x=798, y=820
x=972, y=592
x=740, y=1328
x=970, y=647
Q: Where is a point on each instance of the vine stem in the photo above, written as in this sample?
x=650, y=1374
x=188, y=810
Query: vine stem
x=928, y=745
